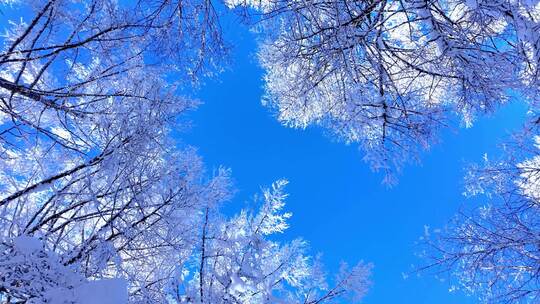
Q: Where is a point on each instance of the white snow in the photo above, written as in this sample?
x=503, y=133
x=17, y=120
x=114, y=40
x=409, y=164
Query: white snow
x=105, y=291
x=27, y=244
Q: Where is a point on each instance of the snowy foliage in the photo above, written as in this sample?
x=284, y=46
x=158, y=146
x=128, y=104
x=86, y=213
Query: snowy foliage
x=98, y=203
x=86, y=162
x=493, y=250
x=30, y=272
x=237, y=263
x=386, y=74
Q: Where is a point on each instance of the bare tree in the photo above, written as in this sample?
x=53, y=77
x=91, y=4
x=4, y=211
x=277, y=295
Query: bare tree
x=493, y=250
x=386, y=74
x=87, y=165
x=94, y=191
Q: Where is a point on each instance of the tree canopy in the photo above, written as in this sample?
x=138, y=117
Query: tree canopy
x=99, y=198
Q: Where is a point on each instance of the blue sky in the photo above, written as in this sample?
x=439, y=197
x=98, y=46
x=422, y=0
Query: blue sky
x=338, y=204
